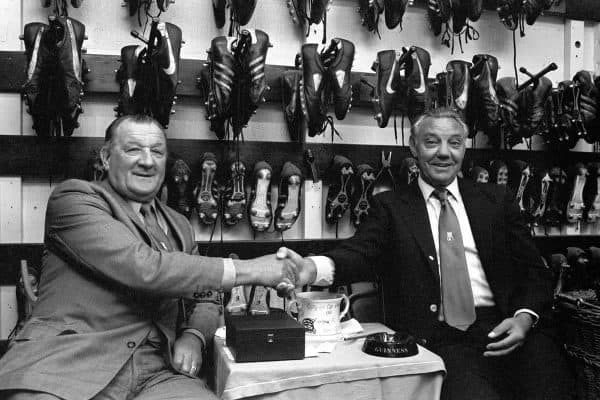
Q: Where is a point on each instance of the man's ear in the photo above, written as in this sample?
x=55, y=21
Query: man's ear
x=104, y=156
x=413, y=146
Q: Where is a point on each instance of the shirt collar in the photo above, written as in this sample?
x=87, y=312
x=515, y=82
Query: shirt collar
x=427, y=189
x=137, y=206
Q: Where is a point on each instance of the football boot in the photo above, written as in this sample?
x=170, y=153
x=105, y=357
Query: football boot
x=288, y=202
x=234, y=198
x=508, y=97
x=259, y=206
x=76, y=3
x=133, y=6
x=384, y=179
x=338, y=73
x=219, y=12
x=519, y=180
x=591, y=194
x=206, y=193
x=532, y=103
x=498, y=172
x=290, y=95
x=454, y=86
x=417, y=91
x=533, y=9
x=163, y=5
x=218, y=123
x=409, y=171
x=439, y=13
x=36, y=89
x=128, y=75
x=178, y=188
x=313, y=92
x=588, y=103
x=255, y=59
x=394, y=11
x=69, y=35
x=541, y=188
x=363, y=193
x=508, y=12
x=318, y=9
x=242, y=10
x=575, y=204
x=474, y=9
x=369, y=11
x=338, y=195
x=484, y=99
x=480, y=174
x=556, y=204
x=388, y=80
x=166, y=56
x=459, y=15
x=222, y=74
x=571, y=120
x=46, y=3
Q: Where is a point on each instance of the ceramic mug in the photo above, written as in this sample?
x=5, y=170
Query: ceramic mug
x=319, y=312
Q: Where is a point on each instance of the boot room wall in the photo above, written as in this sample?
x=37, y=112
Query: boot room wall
x=23, y=199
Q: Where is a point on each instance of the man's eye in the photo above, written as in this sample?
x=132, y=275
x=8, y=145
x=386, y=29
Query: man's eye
x=158, y=152
x=132, y=150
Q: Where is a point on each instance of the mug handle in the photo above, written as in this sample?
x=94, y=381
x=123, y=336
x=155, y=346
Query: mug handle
x=289, y=307
x=346, y=307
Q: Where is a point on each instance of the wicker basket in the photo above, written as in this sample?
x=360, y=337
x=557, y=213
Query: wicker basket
x=580, y=318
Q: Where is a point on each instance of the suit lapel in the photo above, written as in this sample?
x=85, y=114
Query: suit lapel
x=479, y=209
x=177, y=233
x=417, y=222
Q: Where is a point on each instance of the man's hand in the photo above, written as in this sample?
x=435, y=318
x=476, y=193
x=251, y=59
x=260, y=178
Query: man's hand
x=268, y=271
x=306, y=270
x=187, y=354
x=515, y=329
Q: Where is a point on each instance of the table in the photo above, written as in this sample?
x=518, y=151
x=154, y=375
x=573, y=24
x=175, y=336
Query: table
x=347, y=373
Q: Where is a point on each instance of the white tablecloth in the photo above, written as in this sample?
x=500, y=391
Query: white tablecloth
x=347, y=373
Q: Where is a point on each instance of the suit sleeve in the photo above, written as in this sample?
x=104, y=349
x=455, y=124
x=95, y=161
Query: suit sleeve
x=356, y=258
x=533, y=289
x=81, y=228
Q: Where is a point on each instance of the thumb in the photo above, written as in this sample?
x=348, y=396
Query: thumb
x=500, y=329
x=284, y=252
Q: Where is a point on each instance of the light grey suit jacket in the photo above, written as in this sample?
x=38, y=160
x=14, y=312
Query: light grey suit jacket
x=102, y=287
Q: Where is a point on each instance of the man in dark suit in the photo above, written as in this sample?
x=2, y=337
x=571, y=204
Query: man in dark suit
x=459, y=271
x=117, y=265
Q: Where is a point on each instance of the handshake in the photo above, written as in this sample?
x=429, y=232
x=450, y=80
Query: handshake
x=284, y=271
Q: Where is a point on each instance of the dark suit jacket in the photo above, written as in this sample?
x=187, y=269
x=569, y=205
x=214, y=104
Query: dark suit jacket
x=396, y=244
x=102, y=288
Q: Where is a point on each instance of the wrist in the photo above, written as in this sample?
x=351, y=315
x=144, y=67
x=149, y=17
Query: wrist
x=526, y=319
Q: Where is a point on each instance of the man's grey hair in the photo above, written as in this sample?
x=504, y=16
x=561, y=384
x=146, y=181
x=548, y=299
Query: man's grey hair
x=441, y=112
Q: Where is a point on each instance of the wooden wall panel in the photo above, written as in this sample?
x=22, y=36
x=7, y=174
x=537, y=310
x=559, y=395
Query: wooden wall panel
x=11, y=210
x=35, y=198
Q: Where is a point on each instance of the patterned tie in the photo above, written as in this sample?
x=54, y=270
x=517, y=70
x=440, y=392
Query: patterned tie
x=458, y=308
x=158, y=236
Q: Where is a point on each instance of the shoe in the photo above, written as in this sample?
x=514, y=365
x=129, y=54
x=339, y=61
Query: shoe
x=438, y=13
x=178, y=188
x=206, y=192
x=575, y=204
x=384, y=179
x=363, y=193
x=369, y=11
x=222, y=71
x=312, y=90
x=570, y=119
x=480, y=174
x=234, y=204
x=588, y=104
x=519, y=179
x=290, y=191
x=457, y=81
x=459, y=15
x=128, y=74
x=394, y=11
x=532, y=102
x=508, y=96
x=259, y=210
x=541, y=187
x=318, y=9
x=219, y=12
x=133, y=6
x=498, y=172
x=388, y=78
x=417, y=96
x=556, y=198
x=290, y=95
x=532, y=10
x=409, y=171
x=474, y=9
x=338, y=73
x=166, y=57
x=163, y=5
x=483, y=73
x=69, y=35
x=242, y=10
x=36, y=90
x=46, y=3
x=509, y=12
x=255, y=60
x=338, y=199
x=591, y=194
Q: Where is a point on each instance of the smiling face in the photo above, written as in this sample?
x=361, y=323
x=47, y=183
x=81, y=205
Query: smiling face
x=438, y=144
x=135, y=160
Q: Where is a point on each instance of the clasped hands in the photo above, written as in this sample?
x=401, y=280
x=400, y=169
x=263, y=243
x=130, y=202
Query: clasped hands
x=290, y=270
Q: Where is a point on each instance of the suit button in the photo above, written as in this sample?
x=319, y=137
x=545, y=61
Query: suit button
x=202, y=294
x=424, y=342
x=431, y=258
x=208, y=294
x=196, y=295
x=433, y=308
x=131, y=345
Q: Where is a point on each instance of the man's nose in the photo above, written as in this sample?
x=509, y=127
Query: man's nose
x=146, y=158
x=443, y=150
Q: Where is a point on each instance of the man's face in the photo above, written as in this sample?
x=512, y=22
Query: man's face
x=136, y=160
x=439, y=147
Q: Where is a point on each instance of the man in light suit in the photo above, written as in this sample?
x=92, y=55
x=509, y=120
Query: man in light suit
x=116, y=267
x=504, y=347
